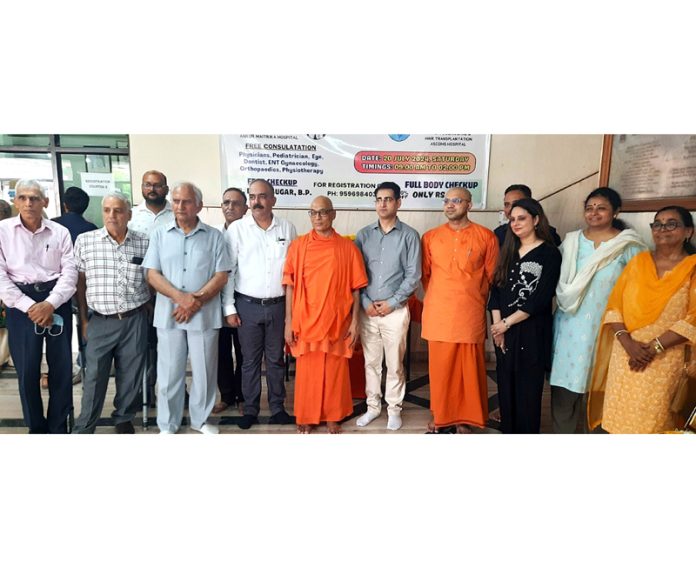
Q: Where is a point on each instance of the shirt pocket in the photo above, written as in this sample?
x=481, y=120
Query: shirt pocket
x=135, y=277
x=51, y=258
x=280, y=249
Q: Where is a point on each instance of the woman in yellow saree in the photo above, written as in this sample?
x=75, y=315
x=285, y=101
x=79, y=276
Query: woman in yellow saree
x=650, y=317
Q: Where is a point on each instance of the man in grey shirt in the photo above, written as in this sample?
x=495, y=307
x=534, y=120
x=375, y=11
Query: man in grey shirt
x=392, y=253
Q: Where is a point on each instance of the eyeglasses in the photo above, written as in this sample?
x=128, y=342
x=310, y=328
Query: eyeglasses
x=54, y=331
x=321, y=213
x=668, y=226
x=148, y=185
x=384, y=199
x=454, y=200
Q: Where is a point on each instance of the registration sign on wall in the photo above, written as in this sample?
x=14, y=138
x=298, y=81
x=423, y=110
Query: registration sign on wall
x=348, y=167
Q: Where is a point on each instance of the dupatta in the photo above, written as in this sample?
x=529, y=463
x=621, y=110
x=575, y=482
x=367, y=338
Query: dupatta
x=638, y=299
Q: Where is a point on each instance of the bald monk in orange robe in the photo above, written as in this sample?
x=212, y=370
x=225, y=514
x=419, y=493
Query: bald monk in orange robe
x=459, y=260
x=323, y=275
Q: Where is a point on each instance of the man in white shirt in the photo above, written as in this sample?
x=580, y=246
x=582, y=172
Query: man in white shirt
x=254, y=300
x=153, y=212
x=234, y=207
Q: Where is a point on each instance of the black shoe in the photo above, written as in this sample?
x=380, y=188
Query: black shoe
x=246, y=421
x=281, y=417
x=125, y=428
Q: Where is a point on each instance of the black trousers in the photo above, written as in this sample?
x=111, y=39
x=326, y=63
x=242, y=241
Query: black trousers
x=229, y=376
x=519, y=393
x=26, y=348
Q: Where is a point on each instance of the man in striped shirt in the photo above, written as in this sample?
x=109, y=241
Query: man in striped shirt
x=111, y=282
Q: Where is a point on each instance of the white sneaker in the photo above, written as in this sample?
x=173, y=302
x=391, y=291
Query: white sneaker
x=366, y=418
x=167, y=432
x=394, y=422
x=207, y=429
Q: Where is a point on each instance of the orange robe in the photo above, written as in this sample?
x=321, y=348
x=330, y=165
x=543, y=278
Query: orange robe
x=323, y=273
x=458, y=268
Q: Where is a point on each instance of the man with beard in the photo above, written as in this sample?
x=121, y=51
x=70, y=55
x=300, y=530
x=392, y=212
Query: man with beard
x=459, y=261
x=254, y=301
x=154, y=211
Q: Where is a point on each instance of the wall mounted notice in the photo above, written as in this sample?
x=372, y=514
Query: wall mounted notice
x=348, y=167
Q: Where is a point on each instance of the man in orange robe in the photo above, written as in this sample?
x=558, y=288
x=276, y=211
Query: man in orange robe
x=323, y=275
x=459, y=261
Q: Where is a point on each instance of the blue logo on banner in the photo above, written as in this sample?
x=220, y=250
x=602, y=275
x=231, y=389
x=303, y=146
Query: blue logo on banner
x=399, y=137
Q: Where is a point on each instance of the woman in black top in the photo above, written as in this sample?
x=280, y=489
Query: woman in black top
x=524, y=286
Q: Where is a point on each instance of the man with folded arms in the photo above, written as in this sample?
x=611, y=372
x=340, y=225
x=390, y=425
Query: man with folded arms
x=254, y=301
x=37, y=281
x=111, y=283
x=187, y=264
x=323, y=276
x=392, y=253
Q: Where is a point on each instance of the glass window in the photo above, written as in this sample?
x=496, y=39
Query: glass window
x=15, y=166
x=93, y=140
x=24, y=139
x=96, y=174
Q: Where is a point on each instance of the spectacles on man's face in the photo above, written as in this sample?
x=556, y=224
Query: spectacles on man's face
x=454, y=200
x=386, y=200
x=670, y=225
x=319, y=213
x=155, y=186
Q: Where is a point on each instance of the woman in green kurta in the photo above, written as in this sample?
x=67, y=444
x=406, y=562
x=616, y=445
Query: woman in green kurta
x=593, y=258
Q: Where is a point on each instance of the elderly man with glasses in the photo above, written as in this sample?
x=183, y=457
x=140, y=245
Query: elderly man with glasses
x=392, y=253
x=37, y=281
x=323, y=275
x=459, y=260
x=254, y=301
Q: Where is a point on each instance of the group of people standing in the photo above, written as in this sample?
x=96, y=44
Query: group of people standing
x=158, y=287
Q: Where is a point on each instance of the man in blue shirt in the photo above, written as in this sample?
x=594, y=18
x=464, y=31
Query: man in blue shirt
x=392, y=254
x=187, y=264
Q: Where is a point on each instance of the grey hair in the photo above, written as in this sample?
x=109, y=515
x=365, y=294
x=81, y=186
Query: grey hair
x=196, y=191
x=30, y=184
x=117, y=195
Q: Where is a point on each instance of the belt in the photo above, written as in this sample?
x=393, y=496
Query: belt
x=261, y=301
x=122, y=315
x=36, y=286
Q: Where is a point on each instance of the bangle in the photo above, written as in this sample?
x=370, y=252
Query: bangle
x=658, y=346
x=620, y=332
x=505, y=323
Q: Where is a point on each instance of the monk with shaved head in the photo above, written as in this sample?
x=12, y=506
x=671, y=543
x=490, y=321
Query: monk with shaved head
x=459, y=261
x=323, y=276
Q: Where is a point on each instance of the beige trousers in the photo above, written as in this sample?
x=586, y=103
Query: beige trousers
x=384, y=339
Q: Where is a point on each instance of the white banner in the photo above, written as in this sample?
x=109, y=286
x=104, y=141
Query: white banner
x=347, y=167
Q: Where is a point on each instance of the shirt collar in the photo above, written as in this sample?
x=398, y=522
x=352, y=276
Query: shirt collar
x=200, y=226
x=45, y=224
x=398, y=225
x=104, y=234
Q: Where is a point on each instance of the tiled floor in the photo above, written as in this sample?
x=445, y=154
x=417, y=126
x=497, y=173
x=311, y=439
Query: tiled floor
x=415, y=414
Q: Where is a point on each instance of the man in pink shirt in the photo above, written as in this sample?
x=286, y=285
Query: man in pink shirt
x=37, y=280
